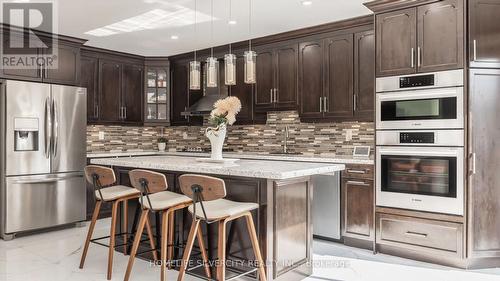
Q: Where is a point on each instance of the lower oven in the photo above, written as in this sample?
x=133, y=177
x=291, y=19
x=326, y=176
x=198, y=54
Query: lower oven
x=422, y=178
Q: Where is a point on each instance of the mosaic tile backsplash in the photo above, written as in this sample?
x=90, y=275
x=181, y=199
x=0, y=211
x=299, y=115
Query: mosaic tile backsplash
x=320, y=139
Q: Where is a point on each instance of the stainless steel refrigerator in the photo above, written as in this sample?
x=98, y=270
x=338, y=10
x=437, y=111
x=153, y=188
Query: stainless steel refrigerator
x=43, y=154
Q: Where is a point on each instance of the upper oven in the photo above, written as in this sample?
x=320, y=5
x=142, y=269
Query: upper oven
x=422, y=101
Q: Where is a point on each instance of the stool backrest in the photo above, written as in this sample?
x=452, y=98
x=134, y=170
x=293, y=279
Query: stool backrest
x=154, y=182
x=210, y=188
x=105, y=175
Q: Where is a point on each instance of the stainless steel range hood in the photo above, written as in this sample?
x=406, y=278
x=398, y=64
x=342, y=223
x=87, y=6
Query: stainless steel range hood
x=210, y=95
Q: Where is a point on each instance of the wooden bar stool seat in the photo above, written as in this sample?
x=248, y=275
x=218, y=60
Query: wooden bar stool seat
x=210, y=206
x=156, y=198
x=103, y=180
x=222, y=208
x=116, y=192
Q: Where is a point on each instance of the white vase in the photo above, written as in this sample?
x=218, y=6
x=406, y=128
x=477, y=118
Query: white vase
x=162, y=146
x=216, y=137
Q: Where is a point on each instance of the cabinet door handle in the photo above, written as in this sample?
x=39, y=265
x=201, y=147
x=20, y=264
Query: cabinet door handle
x=271, y=95
x=355, y=102
x=356, y=171
x=416, y=234
x=320, y=104
x=124, y=112
x=473, y=168
x=419, y=57
x=275, y=95
x=96, y=111
x=412, y=57
x=474, y=49
x=326, y=104
x=360, y=183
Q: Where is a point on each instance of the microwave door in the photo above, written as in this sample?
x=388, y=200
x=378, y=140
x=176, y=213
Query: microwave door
x=28, y=128
x=69, y=114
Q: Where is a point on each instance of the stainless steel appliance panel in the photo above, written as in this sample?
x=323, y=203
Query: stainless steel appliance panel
x=326, y=206
x=30, y=101
x=69, y=112
x=34, y=202
x=442, y=79
x=440, y=137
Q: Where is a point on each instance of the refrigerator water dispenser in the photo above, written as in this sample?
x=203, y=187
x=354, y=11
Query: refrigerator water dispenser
x=26, y=134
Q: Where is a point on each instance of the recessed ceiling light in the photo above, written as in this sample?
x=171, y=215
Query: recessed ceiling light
x=232, y=22
x=306, y=2
x=174, y=37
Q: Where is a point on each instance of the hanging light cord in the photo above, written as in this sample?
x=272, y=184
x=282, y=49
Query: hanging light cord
x=195, y=11
x=250, y=24
x=212, y=26
x=230, y=19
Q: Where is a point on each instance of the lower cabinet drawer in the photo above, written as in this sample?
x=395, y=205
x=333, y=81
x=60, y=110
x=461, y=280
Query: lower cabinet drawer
x=420, y=234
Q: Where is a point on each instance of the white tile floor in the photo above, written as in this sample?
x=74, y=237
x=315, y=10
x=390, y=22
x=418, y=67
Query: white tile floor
x=54, y=256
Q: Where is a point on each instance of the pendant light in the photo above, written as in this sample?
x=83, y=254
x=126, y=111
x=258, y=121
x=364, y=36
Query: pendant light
x=195, y=65
x=212, y=63
x=250, y=56
x=230, y=59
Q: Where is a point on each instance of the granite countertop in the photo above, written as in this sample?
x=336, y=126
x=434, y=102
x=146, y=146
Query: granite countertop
x=241, y=155
x=275, y=170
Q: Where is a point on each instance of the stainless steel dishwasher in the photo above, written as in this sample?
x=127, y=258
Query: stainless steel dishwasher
x=326, y=206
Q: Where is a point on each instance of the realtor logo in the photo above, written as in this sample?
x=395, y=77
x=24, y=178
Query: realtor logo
x=28, y=36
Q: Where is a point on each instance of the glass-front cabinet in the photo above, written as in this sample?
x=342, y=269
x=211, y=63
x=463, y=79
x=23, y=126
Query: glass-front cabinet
x=157, y=92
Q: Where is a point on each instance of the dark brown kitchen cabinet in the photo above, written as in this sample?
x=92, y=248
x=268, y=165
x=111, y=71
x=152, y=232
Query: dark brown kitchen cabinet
x=264, y=88
x=110, y=108
x=484, y=160
x=396, y=42
x=358, y=205
x=67, y=70
x=311, y=79
x=157, y=95
x=277, y=74
x=63, y=67
x=132, y=93
x=89, y=80
x=440, y=33
x=242, y=91
x=364, y=75
x=180, y=93
x=422, y=39
x=484, y=33
x=338, y=100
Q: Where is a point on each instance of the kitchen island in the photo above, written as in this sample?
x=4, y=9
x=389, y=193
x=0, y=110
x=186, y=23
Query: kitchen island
x=283, y=191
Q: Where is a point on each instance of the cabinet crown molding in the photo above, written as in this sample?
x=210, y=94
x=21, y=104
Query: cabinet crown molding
x=379, y=6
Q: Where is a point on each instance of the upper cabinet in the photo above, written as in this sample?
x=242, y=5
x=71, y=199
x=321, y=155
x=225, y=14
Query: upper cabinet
x=180, y=93
x=422, y=39
x=396, y=42
x=89, y=80
x=484, y=33
x=277, y=73
x=337, y=77
x=157, y=97
x=63, y=67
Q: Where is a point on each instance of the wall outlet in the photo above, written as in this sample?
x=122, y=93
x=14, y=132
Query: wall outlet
x=348, y=135
x=101, y=135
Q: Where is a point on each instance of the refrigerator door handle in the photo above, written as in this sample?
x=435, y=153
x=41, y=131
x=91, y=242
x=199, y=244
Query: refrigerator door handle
x=44, y=179
x=48, y=127
x=56, y=129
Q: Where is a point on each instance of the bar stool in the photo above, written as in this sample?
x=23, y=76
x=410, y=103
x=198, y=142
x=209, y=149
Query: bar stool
x=103, y=180
x=208, y=193
x=156, y=198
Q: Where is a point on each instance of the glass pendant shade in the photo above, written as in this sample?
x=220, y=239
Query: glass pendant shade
x=230, y=69
x=250, y=64
x=194, y=75
x=212, y=72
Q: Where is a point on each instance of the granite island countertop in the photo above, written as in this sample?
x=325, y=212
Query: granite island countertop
x=241, y=155
x=274, y=170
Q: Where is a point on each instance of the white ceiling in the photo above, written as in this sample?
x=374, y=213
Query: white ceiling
x=145, y=27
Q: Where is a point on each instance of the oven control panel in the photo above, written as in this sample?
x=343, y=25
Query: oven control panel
x=414, y=137
x=416, y=81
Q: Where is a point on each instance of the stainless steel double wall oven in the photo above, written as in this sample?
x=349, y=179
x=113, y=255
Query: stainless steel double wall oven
x=420, y=142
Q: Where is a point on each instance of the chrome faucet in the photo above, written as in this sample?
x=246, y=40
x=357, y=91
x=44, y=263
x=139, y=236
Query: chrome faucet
x=285, y=141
